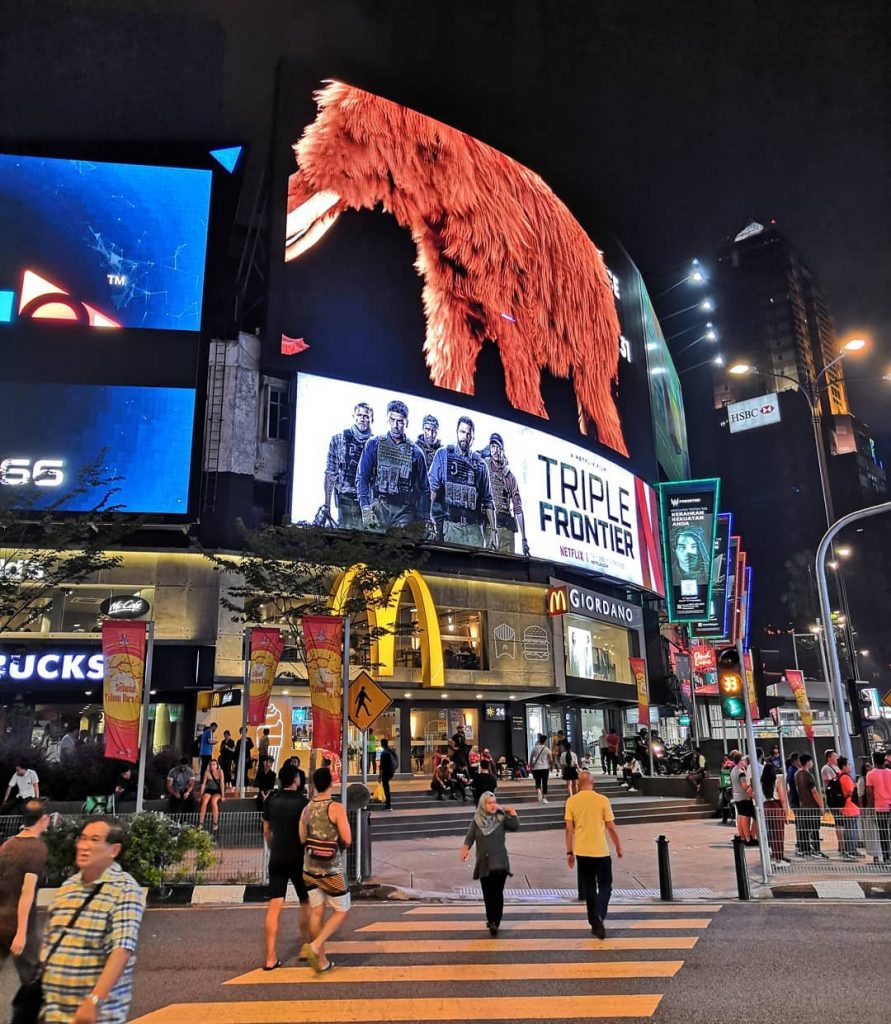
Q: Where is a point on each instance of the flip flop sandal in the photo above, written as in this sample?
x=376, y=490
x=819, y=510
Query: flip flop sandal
x=274, y=967
x=312, y=956
x=327, y=967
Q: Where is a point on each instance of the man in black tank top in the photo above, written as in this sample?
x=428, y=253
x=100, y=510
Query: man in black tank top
x=281, y=830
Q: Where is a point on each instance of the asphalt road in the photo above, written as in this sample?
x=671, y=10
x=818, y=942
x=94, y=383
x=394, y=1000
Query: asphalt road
x=765, y=963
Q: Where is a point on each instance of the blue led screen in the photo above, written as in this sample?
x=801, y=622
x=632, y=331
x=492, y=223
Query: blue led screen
x=50, y=432
x=104, y=244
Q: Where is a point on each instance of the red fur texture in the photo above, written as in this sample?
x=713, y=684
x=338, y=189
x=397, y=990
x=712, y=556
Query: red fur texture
x=502, y=258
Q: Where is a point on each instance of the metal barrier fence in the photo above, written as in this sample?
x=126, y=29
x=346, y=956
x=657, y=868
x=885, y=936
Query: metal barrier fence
x=240, y=856
x=830, y=843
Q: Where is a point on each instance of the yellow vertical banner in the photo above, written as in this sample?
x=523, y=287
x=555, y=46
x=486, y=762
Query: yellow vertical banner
x=795, y=679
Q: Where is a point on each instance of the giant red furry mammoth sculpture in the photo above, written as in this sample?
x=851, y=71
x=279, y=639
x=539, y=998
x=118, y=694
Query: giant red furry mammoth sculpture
x=502, y=258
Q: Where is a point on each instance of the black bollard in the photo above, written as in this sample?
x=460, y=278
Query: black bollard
x=742, y=874
x=665, y=892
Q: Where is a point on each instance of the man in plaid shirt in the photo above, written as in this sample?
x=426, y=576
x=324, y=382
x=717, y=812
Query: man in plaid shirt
x=88, y=976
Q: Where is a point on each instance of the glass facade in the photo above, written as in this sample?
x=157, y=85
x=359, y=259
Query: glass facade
x=597, y=650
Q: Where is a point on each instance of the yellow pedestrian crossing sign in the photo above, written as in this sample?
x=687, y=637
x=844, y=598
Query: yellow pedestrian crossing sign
x=367, y=701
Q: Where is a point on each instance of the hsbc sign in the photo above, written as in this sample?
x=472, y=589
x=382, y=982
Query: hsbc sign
x=753, y=412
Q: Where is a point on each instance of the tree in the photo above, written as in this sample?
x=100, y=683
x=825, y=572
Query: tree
x=287, y=572
x=45, y=548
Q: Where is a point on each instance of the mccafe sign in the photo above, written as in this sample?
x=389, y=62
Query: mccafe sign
x=597, y=606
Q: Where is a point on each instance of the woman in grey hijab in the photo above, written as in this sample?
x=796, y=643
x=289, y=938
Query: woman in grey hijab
x=492, y=865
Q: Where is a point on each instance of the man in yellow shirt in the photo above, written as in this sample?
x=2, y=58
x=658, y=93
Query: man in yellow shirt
x=589, y=817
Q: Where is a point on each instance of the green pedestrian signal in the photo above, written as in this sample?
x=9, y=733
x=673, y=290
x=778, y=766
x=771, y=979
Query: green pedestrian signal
x=732, y=707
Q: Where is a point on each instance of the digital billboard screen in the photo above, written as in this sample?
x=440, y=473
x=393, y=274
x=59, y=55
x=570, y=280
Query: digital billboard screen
x=105, y=245
x=371, y=457
x=689, y=523
x=424, y=259
x=51, y=433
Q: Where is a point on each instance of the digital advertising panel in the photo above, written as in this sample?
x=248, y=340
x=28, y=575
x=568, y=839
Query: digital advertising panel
x=105, y=245
x=110, y=269
x=368, y=457
x=51, y=433
x=716, y=624
x=666, y=396
x=432, y=263
x=689, y=522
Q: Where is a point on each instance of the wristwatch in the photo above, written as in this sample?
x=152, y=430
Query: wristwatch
x=94, y=999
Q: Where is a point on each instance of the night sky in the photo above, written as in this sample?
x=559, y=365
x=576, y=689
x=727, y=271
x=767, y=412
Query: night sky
x=687, y=120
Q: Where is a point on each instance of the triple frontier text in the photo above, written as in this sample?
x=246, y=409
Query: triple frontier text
x=582, y=505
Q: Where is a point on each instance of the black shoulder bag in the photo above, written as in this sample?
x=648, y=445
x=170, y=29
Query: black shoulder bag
x=28, y=1001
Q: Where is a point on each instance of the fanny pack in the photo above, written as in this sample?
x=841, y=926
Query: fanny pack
x=322, y=849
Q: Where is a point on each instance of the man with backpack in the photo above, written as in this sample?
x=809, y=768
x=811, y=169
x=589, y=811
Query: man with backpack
x=388, y=762
x=830, y=777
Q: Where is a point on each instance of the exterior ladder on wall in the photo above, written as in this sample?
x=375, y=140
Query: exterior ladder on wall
x=213, y=426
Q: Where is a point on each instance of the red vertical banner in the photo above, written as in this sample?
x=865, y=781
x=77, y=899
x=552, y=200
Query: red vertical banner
x=639, y=671
x=266, y=652
x=123, y=648
x=795, y=679
x=323, y=642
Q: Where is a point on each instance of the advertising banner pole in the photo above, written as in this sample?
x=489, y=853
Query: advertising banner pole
x=755, y=769
x=241, y=778
x=146, y=700
x=345, y=723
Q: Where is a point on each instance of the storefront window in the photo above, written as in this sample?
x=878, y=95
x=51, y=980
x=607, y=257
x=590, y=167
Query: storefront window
x=592, y=724
x=463, y=639
x=431, y=729
x=463, y=633
x=597, y=650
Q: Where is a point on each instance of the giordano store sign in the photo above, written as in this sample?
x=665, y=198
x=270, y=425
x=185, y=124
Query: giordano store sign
x=563, y=598
x=383, y=608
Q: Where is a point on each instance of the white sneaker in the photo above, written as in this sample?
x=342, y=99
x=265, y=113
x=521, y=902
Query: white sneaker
x=538, y=795
x=624, y=785
x=631, y=789
x=544, y=799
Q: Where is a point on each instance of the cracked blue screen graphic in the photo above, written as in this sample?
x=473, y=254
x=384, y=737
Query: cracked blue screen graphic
x=102, y=244
x=50, y=433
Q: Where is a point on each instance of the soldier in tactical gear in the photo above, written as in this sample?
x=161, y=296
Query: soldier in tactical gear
x=506, y=497
x=344, y=453
x=428, y=441
x=392, y=479
x=460, y=494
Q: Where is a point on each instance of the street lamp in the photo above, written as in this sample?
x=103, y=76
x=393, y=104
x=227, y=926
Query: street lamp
x=717, y=360
x=706, y=306
x=695, y=275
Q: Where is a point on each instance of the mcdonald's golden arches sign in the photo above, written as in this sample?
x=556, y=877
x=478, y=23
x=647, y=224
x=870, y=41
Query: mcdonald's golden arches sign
x=558, y=600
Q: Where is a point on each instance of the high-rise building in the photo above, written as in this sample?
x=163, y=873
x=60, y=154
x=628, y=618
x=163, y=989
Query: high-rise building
x=775, y=317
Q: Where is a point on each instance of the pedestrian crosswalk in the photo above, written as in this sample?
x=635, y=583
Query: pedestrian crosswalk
x=429, y=963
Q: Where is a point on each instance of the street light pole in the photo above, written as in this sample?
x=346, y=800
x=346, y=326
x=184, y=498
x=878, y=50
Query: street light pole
x=823, y=587
x=812, y=392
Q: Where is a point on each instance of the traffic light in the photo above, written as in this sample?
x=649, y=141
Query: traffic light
x=763, y=702
x=730, y=684
x=861, y=698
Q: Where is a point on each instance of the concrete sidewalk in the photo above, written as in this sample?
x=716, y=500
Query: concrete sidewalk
x=701, y=859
